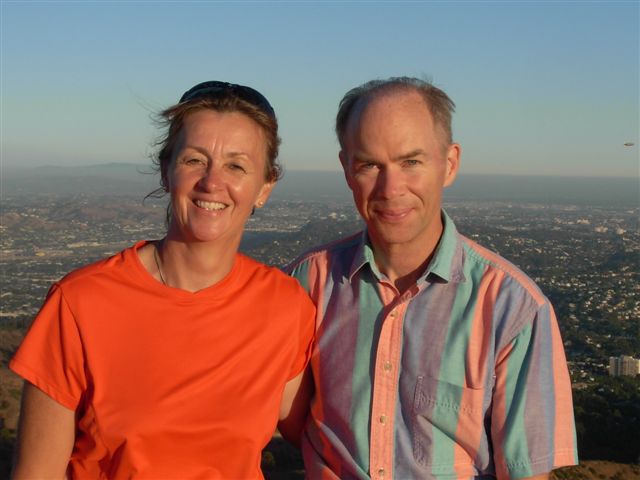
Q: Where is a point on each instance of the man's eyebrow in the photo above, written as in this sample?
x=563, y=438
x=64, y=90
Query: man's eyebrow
x=412, y=154
x=361, y=157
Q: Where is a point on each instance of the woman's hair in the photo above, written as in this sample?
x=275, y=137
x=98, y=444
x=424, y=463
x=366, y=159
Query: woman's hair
x=220, y=97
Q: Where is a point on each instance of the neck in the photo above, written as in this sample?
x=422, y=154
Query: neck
x=404, y=263
x=193, y=266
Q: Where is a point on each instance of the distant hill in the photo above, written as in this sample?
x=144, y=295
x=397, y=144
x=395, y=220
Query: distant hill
x=116, y=178
x=138, y=179
x=141, y=179
x=606, y=191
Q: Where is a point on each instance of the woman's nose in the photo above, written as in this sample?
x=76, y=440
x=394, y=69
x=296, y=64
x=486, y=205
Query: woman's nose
x=211, y=178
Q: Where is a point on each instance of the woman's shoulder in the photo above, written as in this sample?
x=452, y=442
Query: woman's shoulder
x=114, y=264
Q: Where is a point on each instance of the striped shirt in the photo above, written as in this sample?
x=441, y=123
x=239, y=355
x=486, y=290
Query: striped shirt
x=462, y=376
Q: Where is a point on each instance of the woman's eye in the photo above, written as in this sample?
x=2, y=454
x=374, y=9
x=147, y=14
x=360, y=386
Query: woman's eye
x=236, y=167
x=194, y=161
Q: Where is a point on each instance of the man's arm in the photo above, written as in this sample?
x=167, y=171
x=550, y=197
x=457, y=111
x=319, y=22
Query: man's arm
x=46, y=433
x=532, y=414
x=295, y=406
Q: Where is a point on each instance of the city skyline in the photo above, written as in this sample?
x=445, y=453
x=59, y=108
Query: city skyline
x=547, y=88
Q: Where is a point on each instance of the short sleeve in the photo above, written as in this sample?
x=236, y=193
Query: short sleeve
x=51, y=354
x=532, y=423
x=306, y=335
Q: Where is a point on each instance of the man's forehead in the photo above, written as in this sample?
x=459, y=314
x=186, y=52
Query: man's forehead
x=395, y=99
x=377, y=116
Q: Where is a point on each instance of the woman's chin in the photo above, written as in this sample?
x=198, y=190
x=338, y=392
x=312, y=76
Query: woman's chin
x=223, y=236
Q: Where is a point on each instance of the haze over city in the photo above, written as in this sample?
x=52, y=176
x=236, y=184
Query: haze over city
x=542, y=88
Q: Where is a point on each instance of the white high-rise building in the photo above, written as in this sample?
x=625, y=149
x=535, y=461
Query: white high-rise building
x=624, y=365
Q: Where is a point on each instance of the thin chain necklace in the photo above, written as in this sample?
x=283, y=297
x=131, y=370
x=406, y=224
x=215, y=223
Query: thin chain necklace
x=155, y=257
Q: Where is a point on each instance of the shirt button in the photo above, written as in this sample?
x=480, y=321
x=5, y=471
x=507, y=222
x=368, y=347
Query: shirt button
x=387, y=366
x=393, y=314
x=383, y=419
x=381, y=472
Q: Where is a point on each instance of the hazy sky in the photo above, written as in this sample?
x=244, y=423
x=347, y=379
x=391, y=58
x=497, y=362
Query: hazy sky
x=545, y=87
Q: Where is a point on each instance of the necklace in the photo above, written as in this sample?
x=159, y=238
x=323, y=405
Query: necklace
x=155, y=257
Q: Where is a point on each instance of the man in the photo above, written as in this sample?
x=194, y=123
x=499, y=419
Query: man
x=435, y=358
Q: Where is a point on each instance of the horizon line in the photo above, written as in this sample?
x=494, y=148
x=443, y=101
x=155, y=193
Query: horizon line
x=337, y=170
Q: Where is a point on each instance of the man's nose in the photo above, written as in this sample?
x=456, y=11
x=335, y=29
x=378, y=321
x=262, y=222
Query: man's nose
x=389, y=183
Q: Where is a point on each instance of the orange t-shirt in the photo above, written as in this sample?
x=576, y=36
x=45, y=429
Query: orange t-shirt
x=167, y=383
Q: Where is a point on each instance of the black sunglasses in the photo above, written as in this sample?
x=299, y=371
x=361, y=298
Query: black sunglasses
x=247, y=94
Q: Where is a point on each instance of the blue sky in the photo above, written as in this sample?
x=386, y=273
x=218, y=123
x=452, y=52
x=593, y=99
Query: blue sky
x=546, y=88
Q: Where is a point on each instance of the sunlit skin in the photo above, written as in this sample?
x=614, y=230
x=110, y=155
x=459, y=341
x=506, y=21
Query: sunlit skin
x=397, y=163
x=216, y=177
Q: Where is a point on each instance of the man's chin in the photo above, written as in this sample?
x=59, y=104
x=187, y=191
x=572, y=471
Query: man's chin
x=389, y=236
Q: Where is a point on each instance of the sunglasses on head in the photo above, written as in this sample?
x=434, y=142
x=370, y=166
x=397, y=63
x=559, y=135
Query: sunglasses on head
x=247, y=94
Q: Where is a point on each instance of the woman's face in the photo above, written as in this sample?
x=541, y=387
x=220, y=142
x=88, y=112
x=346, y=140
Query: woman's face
x=216, y=177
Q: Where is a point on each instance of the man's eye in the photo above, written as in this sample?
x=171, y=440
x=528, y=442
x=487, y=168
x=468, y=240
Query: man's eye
x=366, y=166
x=411, y=162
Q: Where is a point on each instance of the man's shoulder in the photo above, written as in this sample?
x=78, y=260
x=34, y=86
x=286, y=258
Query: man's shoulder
x=496, y=265
x=341, y=247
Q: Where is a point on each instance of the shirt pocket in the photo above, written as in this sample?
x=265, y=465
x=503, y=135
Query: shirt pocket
x=448, y=425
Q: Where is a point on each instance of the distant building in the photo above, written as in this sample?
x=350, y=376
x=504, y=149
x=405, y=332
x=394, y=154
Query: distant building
x=624, y=366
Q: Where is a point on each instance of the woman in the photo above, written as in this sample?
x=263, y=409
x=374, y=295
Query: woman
x=175, y=358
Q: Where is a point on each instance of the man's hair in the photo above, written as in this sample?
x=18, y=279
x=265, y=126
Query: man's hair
x=439, y=104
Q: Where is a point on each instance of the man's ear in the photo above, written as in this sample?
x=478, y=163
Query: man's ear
x=344, y=161
x=453, y=164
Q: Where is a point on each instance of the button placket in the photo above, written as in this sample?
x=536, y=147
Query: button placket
x=385, y=391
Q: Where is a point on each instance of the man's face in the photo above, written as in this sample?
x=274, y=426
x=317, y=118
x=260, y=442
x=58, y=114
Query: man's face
x=396, y=164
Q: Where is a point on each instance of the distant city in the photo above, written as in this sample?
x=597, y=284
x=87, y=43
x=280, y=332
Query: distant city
x=586, y=258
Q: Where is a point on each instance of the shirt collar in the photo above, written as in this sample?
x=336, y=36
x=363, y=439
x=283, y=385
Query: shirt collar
x=363, y=256
x=445, y=264
x=447, y=259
